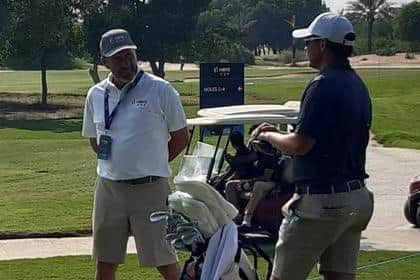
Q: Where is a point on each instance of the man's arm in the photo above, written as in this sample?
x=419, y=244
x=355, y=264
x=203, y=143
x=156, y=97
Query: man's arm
x=178, y=142
x=94, y=144
x=289, y=144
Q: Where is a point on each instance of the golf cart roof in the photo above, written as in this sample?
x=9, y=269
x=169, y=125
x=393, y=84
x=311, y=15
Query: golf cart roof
x=236, y=119
x=267, y=109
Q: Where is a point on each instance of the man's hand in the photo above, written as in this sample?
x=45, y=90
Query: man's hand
x=264, y=127
x=178, y=142
x=93, y=144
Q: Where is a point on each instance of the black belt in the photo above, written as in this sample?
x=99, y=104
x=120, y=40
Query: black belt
x=139, y=181
x=329, y=189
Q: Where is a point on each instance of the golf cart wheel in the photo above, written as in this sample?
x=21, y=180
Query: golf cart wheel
x=409, y=214
x=418, y=216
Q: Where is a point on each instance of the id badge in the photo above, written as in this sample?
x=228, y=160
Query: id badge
x=104, y=149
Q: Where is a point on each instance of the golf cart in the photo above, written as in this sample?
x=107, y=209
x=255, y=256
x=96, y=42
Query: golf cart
x=204, y=161
x=412, y=205
x=200, y=219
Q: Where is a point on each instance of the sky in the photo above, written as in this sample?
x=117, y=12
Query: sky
x=336, y=5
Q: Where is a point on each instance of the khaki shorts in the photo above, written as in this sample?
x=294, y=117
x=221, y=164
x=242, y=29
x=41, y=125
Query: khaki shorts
x=324, y=228
x=121, y=209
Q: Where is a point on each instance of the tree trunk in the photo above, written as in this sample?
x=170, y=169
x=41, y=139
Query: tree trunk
x=370, y=30
x=293, y=52
x=158, y=68
x=44, y=86
x=93, y=72
x=162, y=69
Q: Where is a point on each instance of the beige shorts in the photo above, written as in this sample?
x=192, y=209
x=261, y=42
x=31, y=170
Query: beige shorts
x=324, y=229
x=121, y=209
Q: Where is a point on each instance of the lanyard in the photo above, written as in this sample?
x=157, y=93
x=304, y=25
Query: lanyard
x=109, y=118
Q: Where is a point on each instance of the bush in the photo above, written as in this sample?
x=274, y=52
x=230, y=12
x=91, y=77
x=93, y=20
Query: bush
x=214, y=48
x=285, y=56
x=385, y=47
x=57, y=61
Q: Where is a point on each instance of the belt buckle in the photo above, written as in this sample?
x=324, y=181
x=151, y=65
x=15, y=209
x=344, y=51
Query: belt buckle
x=353, y=185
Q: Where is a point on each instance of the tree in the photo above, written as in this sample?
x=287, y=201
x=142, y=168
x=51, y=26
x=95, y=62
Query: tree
x=4, y=16
x=369, y=11
x=408, y=22
x=40, y=28
x=160, y=28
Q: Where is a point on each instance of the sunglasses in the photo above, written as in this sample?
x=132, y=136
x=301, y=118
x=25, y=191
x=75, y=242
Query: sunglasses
x=311, y=39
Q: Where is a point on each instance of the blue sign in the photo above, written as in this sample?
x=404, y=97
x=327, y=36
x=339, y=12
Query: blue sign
x=221, y=84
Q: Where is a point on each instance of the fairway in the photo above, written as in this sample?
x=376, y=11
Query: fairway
x=372, y=266
x=47, y=169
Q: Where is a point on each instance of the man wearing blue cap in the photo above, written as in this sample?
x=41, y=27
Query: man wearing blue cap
x=136, y=125
x=331, y=205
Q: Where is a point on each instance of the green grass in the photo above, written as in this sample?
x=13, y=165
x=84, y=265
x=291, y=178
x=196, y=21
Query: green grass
x=47, y=170
x=77, y=82
x=46, y=174
x=81, y=267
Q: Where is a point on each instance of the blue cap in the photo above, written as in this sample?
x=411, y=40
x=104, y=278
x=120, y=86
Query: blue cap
x=115, y=40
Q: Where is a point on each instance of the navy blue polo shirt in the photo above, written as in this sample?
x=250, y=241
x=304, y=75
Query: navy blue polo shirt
x=336, y=112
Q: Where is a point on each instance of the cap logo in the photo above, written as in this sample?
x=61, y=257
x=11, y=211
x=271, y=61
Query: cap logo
x=118, y=39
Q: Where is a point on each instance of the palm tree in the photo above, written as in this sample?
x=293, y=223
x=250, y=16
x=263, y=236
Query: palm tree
x=369, y=11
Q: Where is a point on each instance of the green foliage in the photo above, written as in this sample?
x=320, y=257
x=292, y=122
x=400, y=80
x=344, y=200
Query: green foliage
x=385, y=47
x=254, y=23
x=212, y=47
x=160, y=28
x=40, y=28
x=408, y=23
x=4, y=43
x=370, y=11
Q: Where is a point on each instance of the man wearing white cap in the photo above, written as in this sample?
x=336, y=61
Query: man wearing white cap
x=136, y=125
x=331, y=205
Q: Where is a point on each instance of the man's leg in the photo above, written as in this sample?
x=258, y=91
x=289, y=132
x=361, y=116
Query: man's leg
x=259, y=191
x=106, y=271
x=232, y=192
x=170, y=271
x=110, y=229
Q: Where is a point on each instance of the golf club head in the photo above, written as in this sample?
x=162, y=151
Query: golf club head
x=191, y=237
x=171, y=236
x=182, y=229
x=179, y=245
x=159, y=216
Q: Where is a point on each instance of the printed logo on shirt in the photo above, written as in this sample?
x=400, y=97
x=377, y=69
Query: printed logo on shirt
x=141, y=104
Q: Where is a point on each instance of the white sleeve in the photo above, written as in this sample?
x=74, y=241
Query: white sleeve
x=89, y=128
x=173, y=110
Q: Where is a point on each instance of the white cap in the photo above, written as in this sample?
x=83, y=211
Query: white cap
x=329, y=26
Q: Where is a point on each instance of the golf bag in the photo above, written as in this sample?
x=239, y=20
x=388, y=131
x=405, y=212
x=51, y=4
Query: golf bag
x=200, y=222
